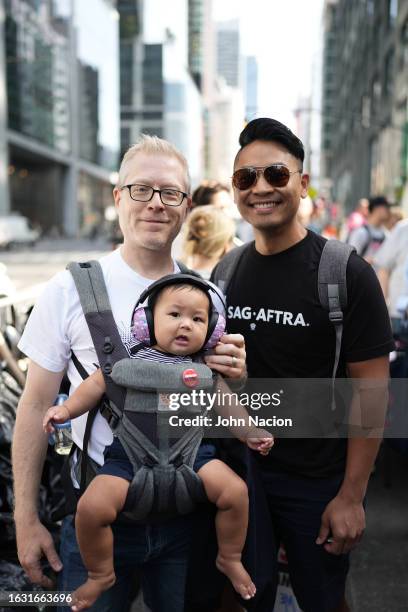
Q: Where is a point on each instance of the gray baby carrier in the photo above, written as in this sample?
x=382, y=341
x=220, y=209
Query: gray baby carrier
x=164, y=483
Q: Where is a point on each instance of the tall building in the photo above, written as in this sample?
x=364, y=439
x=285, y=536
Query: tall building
x=229, y=60
x=202, y=46
x=365, y=93
x=163, y=98
x=228, y=108
x=60, y=132
x=251, y=87
x=131, y=69
x=227, y=121
x=303, y=116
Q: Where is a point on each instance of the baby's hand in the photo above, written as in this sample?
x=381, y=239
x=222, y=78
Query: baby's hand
x=56, y=414
x=262, y=441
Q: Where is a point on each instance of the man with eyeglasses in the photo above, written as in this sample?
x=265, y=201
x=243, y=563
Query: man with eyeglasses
x=152, y=199
x=314, y=488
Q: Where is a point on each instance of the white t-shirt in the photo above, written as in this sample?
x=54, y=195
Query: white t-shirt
x=57, y=325
x=393, y=257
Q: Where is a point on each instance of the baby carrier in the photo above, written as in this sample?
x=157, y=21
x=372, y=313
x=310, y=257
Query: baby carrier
x=164, y=483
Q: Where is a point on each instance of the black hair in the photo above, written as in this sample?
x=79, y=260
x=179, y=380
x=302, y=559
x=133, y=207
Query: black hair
x=271, y=130
x=155, y=296
x=204, y=193
x=376, y=202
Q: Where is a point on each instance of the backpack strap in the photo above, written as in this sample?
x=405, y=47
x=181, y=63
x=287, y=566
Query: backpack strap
x=332, y=289
x=368, y=241
x=225, y=269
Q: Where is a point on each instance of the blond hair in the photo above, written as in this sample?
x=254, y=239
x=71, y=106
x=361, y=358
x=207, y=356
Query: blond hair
x=153, y=145
x=208, y=232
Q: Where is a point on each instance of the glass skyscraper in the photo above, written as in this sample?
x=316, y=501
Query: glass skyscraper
x=62, y=120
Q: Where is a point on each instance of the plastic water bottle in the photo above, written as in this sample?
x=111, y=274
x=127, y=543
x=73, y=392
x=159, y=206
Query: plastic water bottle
x=63, y=433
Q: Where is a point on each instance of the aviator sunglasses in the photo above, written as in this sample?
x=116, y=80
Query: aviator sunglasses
x=277, y=175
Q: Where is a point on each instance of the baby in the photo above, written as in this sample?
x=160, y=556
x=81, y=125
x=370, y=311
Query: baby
x=181, y=315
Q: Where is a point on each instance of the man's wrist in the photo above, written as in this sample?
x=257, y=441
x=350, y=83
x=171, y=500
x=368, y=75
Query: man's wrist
x=26, y=515
x=352, y=491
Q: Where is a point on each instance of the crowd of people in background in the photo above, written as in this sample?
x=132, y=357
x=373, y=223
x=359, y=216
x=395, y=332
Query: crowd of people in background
x=376, y=228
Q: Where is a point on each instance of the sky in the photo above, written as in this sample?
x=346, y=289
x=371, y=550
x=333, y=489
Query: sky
x=284, y=35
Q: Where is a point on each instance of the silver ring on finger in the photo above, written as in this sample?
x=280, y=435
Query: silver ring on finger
x=233, y=362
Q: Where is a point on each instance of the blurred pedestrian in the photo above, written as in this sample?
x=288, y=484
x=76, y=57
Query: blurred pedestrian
x=358, y=217
x=368, y=238
x=396, y=215
x=390, y=262
x=219, y=195
x=211, y=192
x=209, y=234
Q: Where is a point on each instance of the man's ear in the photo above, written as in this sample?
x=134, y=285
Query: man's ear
x=116, y=196
x=304, y=181
x=189, y=203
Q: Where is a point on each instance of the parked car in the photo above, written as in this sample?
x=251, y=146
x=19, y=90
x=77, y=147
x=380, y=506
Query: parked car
x=14, y=230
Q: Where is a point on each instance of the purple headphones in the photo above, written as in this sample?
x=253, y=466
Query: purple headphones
x=142, y=318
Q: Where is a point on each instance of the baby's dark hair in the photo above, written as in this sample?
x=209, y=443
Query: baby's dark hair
x=177, y=286
x=270, y=130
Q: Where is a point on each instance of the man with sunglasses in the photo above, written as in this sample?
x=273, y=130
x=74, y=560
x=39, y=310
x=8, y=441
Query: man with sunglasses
x=152, y=199
x=314, y=487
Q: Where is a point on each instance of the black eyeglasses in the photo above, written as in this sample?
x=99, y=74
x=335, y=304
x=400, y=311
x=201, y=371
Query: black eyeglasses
x=144, y=193
x=277, y=175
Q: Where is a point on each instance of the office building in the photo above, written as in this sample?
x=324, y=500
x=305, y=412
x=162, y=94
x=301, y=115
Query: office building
x=163, y=98
x=59, y=126
x=251, y=87
x=229, y=59
x=364, y=102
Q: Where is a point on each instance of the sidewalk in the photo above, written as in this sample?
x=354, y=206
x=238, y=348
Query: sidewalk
x=379, y=576
x=378, y=579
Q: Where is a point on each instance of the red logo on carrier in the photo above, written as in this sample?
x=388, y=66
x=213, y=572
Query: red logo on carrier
x=190, y=377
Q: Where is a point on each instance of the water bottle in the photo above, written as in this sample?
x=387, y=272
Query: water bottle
x=62, y=434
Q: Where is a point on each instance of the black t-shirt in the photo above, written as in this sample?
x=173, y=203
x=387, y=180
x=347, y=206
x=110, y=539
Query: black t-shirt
x=273, y=301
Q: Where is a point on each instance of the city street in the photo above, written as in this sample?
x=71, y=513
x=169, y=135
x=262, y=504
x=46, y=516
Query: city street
x=27, y=267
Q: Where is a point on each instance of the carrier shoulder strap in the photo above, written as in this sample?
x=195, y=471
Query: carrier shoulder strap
x=186, y=270
x=93, y=295
x=225, y=269
x=332, y=289
x=90, y=284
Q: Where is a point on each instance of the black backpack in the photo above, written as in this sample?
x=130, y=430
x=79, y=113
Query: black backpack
x=331, y=284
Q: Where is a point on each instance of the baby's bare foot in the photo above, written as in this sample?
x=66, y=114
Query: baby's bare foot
x=86, y=595
x=236, y=572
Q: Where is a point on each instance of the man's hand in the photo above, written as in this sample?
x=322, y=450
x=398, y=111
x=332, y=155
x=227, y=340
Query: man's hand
x=33, y=542
x=28, y=454
x=343, y=524
x=229, y=357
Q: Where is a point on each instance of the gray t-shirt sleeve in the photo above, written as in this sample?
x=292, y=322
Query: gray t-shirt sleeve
x=359, y=239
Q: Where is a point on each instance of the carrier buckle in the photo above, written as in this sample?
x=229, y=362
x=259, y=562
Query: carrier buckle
x=336, y=317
